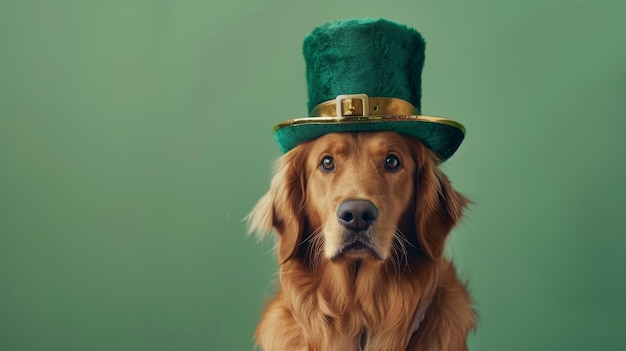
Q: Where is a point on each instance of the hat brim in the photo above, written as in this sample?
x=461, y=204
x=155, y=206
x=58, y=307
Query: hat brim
x=441, y=135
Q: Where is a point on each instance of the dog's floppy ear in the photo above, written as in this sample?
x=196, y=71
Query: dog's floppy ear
x=281, y=208
x=438, y=206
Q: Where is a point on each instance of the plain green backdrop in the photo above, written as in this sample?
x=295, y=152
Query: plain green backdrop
x=135, y=136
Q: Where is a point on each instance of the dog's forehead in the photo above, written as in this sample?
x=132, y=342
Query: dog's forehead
x=371, y=142
x=384, y=142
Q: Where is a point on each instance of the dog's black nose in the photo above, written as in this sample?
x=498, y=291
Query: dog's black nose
x=357, y=215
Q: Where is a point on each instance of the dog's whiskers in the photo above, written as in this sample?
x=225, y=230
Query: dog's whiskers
x=398, y=260
x=310, y=236
x=399, y=249
x=398, y=234
x=314, y=251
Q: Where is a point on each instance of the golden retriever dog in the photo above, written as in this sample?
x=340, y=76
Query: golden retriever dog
x=361, y=221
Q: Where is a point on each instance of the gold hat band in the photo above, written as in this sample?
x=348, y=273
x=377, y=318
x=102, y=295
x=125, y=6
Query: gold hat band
x=363, y=105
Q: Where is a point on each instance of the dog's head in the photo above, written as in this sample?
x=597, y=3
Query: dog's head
x=363, y=195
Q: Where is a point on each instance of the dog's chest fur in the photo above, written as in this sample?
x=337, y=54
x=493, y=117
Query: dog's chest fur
x=347, y=309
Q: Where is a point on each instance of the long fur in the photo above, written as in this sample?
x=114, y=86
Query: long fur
x=363, y=303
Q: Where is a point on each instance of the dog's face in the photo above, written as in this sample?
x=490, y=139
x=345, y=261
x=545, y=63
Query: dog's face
x=348, y=196
x=358, y=188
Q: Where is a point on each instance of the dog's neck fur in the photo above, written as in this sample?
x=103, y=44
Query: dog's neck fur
x=346, y=298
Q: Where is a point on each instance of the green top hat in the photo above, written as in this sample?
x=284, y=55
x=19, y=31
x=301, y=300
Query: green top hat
x=365, y=75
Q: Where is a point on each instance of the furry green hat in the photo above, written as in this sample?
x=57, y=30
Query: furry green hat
x=365, y=75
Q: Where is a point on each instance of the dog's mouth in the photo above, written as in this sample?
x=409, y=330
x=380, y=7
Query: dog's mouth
x=357, y=248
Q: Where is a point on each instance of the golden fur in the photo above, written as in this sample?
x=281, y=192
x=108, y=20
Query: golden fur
x=363, y=299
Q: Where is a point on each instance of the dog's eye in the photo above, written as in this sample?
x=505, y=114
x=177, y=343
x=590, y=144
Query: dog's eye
x=327, y=164
x=392, y=162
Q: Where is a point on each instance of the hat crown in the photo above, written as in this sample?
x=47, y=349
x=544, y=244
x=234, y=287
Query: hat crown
x=364, y=75
x=376, y=57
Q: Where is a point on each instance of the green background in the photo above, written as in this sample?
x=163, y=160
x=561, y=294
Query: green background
x=135, y=136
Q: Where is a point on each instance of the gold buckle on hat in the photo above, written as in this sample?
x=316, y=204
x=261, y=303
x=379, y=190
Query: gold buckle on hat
x=352, y=105
x=362, y=105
